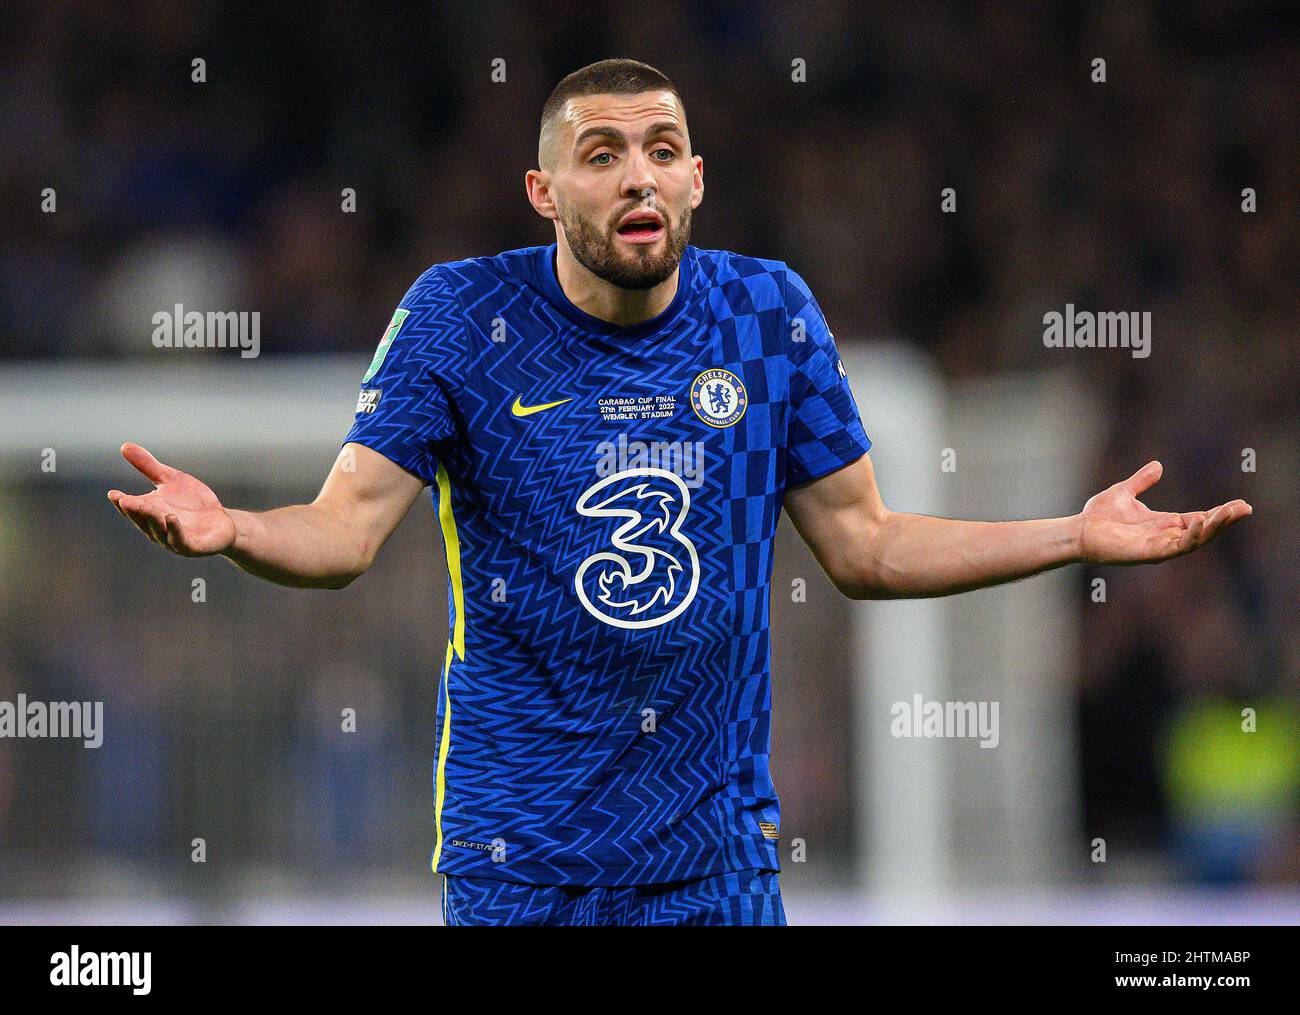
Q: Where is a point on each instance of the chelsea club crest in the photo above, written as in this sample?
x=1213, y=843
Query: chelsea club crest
x=719, y=398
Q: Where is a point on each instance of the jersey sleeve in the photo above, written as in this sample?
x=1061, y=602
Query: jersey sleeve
x=405, y=410
x=825, y=430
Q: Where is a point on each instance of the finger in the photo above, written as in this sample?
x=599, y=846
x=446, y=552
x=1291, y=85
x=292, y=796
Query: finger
x=135, y=502
x=141, y=522
x=1210, y=527
x=1231, y=511
x=175, y=535
x=1145, y=478
x=157, y=526
x=145, y=516
x=120, y=501
x=1195, y=529
x=153, y=469
x=1188, y=538
x=1222, y=517
x=159, y=530
x=130, y=507
x=145, y=522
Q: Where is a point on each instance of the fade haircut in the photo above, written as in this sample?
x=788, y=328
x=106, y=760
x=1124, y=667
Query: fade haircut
x=605, y=77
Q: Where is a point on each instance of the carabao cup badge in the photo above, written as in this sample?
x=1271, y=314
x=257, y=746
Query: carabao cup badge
x=719, y=398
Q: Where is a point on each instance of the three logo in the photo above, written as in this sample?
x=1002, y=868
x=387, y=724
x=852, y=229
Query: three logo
x=650, y=571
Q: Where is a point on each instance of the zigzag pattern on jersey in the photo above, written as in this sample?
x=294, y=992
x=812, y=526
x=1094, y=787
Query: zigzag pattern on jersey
x=413, y=378
x=746, y=899
x=556, y=697
x=546, y=754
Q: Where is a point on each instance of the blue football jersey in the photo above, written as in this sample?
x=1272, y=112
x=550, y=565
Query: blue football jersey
x=608, y=498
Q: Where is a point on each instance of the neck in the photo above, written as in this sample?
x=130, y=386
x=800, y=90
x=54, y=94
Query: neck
x=601, y=299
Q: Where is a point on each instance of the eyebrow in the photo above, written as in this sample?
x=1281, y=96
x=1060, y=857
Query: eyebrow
x=617, y=135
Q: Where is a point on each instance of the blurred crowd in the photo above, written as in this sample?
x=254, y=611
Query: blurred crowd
x=1122, y=194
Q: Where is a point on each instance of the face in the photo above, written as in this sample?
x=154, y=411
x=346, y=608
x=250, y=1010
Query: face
x=621, y=156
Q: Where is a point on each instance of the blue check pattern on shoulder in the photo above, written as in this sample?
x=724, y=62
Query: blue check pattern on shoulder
x=604, y=705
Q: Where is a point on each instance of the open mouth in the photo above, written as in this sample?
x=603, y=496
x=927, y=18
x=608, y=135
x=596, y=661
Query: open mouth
x=641, y=231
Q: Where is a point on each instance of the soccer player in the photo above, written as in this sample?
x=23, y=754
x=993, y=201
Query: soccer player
x=611, y=426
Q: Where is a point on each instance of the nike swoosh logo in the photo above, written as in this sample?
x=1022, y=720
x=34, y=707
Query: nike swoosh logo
x=519, y=409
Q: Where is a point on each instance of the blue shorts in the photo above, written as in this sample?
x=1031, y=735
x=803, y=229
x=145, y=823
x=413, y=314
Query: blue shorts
x=748, y=898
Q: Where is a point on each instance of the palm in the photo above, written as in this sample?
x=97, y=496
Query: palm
x=181, y=513
x=193, y=503
x=1119, y=529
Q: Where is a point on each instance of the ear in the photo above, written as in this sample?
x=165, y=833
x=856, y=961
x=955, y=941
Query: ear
x=537, y=184
x=697, y=183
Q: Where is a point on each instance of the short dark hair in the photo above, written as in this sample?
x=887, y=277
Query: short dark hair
x=605, y=77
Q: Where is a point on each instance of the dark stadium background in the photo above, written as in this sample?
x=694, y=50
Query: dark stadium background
x=1122, y=195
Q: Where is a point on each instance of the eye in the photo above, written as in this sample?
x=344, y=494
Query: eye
x=602, y=155
x=663, y=151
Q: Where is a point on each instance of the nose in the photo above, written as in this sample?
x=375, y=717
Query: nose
x=639, y=178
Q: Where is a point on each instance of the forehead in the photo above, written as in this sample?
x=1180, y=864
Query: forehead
x=630, y=113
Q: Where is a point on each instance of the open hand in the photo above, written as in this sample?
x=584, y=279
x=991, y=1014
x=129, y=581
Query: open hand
x=1117, y=528
x=181, y=513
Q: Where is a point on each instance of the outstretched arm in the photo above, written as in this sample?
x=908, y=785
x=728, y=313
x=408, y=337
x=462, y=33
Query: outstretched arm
x=870, y=552
x=324, y=544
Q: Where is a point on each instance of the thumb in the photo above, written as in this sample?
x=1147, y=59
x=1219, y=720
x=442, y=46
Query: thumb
x=153, y=469
x=1145, y=478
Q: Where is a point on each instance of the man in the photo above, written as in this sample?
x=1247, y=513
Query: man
x=611, y=426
